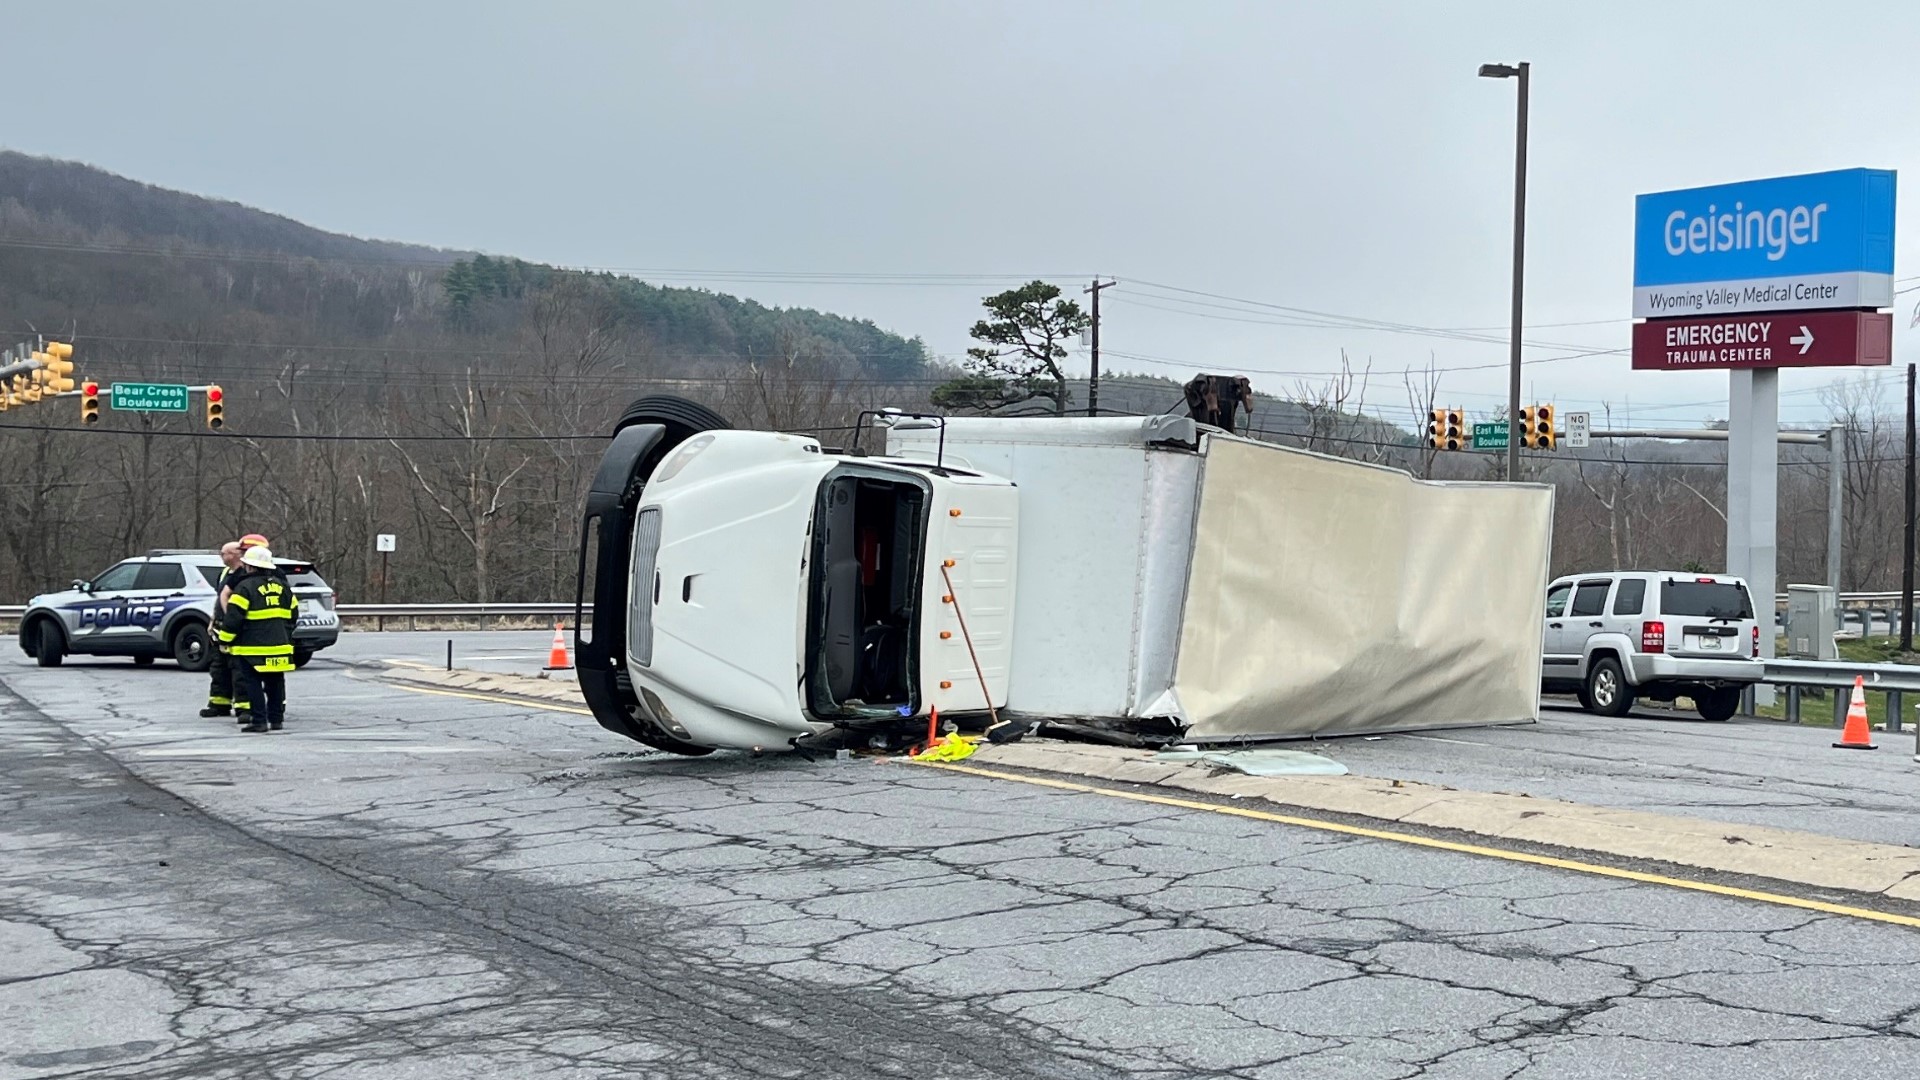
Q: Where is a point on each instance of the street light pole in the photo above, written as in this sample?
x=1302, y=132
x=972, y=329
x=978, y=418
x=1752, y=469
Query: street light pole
x=1522, y=73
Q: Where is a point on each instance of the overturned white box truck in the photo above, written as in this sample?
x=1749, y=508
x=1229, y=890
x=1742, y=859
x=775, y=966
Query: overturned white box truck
x=1137, y=578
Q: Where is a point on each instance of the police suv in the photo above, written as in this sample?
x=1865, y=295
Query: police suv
x=160, y=604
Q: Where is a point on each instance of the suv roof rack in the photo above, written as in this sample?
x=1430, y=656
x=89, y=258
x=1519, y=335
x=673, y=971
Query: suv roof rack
x=151, y=552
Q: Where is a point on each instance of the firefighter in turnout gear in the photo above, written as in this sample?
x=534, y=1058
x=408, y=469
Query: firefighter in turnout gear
x=220, y=696
x=257, y=629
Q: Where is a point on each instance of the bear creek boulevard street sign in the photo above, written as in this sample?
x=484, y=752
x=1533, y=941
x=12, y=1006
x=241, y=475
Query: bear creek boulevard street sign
x=147, y=397
x=1764, y=340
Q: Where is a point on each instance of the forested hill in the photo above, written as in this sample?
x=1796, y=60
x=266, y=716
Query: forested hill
x=127, y=264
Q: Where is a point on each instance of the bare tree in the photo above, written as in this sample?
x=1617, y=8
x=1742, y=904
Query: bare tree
x=470, y=487
x=1423, y=396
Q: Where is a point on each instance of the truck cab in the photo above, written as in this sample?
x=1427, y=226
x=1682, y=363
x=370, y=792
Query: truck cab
x=770, y=590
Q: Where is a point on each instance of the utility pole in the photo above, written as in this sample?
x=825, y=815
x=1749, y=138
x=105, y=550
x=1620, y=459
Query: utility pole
x=1906, y=552
x=1093, y=380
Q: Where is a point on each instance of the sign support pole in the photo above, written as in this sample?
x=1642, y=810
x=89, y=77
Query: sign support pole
x=1906, y=552
x=1836, y=480
x=1753, y=474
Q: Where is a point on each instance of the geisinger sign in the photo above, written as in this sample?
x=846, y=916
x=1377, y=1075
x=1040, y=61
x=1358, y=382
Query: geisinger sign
x=1822, y=240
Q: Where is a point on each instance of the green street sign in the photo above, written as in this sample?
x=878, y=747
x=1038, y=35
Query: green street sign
x=148, y=397
x=1490, y=436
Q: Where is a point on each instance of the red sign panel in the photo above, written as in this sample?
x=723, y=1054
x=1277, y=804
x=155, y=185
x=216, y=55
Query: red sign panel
x=1772, y=339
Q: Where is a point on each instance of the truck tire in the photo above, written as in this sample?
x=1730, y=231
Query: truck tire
x=49, y=643
x=1607, y=688
x=1718, y=705
x=301, y=657
x=192, y=647
x=683, y=419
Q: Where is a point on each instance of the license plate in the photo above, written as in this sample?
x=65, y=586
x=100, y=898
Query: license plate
x=1709, y=642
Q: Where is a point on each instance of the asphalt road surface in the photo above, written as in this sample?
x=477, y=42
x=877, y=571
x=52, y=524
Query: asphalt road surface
x=419, y=885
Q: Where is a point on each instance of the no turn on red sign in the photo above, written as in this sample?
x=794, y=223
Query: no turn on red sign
x=1764, y=340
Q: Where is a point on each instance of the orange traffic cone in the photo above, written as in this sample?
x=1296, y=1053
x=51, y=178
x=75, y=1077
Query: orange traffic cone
x=1856, y=735
x=933, y=733
x=557, y=658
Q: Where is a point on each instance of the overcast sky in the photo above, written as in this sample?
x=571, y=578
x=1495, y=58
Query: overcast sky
x=899, y=160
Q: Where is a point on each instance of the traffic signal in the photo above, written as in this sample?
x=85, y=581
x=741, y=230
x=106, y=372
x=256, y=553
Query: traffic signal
x=1536, y=428
x=1447, y=429
x=56, y=368
x=26, y=389
x=216, y=408
x=89, y=402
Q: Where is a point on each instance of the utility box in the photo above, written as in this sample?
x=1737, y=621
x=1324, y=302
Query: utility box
x=1813, y=619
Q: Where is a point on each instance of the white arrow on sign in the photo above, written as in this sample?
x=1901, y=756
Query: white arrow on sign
x=1804, y=339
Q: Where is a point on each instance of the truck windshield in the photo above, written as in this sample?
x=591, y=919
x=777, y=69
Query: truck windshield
x=1708, y=599
x=869, y=533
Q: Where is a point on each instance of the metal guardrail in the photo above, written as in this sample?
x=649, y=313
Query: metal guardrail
x=1894, y=680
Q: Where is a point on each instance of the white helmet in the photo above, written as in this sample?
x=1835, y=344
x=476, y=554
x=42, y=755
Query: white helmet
x=258, y=556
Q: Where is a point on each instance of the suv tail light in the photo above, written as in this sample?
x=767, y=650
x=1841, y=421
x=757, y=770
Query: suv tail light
x=1756, y=641
x=326, y=600
x=1653, y=637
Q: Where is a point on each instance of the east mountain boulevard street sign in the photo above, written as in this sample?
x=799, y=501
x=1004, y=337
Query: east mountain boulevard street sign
x=1490, y=436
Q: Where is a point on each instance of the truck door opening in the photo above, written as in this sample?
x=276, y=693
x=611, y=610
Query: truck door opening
x=863, y=612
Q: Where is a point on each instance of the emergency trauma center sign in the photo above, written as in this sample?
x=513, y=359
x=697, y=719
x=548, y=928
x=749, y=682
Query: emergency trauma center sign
x=1765, y=340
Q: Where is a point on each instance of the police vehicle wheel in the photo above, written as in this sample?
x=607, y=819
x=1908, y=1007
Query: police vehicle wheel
x=143, y=661
x=300, y=658
x=49, y=644
x=192, y=648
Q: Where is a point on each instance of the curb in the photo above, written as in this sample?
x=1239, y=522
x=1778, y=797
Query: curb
x=561, y=689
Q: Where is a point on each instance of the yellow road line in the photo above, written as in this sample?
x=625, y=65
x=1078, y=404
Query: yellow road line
x=498, y=699
x=1442, y=845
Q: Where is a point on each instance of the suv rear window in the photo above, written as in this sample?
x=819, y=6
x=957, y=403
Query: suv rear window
x=1629, y=597
x=1707, y=599
x=212, y=574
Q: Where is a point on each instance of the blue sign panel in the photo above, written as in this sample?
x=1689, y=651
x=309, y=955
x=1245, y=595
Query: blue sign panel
x=1827, y=237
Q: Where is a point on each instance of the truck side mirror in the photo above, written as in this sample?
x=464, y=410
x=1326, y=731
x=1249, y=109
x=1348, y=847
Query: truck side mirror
x=83, y=586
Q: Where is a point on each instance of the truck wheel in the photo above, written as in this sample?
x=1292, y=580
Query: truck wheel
x=1607, y=688
x=1586, y=699
x=301, y=656
x=49, y=643
x=1718, y=704
x=192, y=647
x=683, y=419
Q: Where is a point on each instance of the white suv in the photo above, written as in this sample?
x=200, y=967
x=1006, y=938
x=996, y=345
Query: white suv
x=1622, y=636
